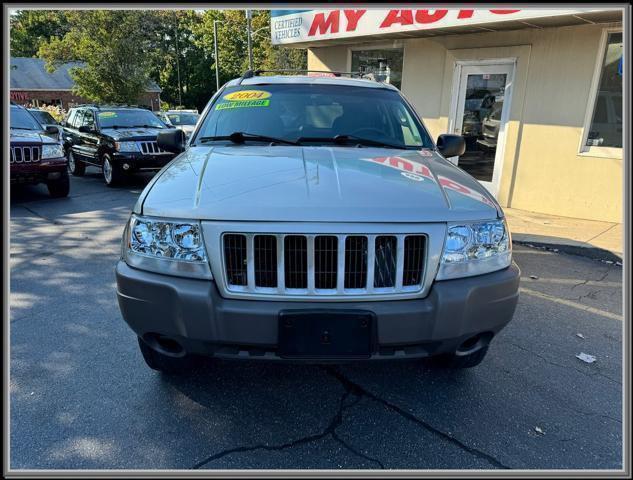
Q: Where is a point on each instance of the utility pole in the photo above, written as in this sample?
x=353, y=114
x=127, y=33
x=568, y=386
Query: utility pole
x=250, y=40
x=217, y=59
x=177, y=59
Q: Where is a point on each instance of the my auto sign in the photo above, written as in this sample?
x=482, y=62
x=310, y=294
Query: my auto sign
x=297, y=26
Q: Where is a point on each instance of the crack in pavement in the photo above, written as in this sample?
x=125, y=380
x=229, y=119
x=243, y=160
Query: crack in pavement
x=547, y=360
x=584, y=282
x=39, y=215
x=358, y=392
x=336, y=421
x=347, y=383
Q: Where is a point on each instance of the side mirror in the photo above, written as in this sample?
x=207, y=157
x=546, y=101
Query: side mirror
x=173, y=141
x=451, y=145
x=52, y=130
x=85, y=129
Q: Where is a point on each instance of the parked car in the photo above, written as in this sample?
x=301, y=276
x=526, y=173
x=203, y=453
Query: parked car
x=117, y=139
x=47, y=120
x=35, y=156
x=185, y=120
x=490, y=127
x=327, y=234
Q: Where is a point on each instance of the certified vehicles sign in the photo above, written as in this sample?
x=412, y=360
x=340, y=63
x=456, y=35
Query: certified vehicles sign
x=297, y=26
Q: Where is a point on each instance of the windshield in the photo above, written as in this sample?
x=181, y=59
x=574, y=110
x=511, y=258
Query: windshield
x=314, y=114
x=128, y=118
x=43, y=117
x=183, y=118
x=23, y=120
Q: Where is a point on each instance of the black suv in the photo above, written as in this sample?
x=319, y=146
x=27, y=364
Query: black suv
x=118, y=139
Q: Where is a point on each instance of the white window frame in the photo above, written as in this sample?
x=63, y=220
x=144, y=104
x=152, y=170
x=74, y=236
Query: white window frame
x=596, y=151
x=393, y=45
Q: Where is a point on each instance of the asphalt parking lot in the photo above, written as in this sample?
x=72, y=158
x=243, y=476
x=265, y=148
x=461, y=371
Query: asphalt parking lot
x=82, y=397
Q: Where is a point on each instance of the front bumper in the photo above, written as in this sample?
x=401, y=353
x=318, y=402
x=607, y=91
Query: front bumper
x=194, y=314
x=138, y=161
x=38, y=172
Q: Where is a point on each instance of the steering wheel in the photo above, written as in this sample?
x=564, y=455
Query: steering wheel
x=368, y=130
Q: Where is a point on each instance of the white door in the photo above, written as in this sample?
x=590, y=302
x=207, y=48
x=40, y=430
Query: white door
x=480, y=114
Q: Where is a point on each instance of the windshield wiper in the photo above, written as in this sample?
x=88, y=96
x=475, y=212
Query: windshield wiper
x=145, y=126
x=347, y=139
x=241, y=137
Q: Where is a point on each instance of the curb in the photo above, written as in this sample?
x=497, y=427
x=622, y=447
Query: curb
x=593, y=253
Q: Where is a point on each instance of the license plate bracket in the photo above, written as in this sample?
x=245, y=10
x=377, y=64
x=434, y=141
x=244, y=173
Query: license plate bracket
x=323, y=334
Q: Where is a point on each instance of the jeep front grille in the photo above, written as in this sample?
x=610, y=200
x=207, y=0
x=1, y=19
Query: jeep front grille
x=316, y=265
x=25, y=154
x=151, y=148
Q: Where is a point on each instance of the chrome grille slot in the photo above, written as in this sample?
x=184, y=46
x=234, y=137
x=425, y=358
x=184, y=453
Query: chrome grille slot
x=257, y=263
x=355, y=262
x=24, y=154
x=265, y=247
x=151, y=148
x=235, y=259
x=325, y=261
x=414, y=246
x=296, y=261
x=385, y=262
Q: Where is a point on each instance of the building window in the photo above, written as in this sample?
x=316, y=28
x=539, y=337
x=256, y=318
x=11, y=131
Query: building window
x=385, y=64
x=605, y=129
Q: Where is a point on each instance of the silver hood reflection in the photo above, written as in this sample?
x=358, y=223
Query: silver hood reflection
x=315, y=184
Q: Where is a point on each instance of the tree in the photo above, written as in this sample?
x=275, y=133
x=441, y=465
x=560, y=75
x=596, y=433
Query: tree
x=233, y=43
x=30, y=29
x=181, y=52
x=115, y=47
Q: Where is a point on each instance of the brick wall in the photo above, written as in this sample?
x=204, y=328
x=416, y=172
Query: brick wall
x=69, y=99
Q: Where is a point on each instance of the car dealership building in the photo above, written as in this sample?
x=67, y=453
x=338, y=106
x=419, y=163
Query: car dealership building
x=537, y=93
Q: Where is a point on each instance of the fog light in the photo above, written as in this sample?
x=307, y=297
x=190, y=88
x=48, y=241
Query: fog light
x=126, y=166
x=54, y=175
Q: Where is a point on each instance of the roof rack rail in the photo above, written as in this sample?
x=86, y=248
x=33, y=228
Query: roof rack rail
x=257, y=73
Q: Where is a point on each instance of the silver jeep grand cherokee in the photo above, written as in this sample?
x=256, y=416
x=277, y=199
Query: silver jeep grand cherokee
x=314, y=219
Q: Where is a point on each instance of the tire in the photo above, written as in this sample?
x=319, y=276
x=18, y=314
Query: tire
x=112, y=174
x=75, y=166
x=163, y=363
x=462, y=361
x=61, y=187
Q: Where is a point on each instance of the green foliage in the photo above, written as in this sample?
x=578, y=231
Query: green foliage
x=124, y=49
x=113, y=47
x=233, y=43
x=29, y=29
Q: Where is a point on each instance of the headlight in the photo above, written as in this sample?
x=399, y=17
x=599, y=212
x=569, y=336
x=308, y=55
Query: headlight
x=126, y=146
x=172, y=247
x=52, y=151
x=475, y=248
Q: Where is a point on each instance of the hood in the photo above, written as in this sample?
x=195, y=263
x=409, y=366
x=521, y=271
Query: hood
x=136, y=133
x=315, y=184
x=29, y=136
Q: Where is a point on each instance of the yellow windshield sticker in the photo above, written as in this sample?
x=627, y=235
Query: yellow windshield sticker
x=246, y=95
x=107, y=114
x=242, y=104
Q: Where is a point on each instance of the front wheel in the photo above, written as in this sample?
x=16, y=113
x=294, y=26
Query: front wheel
x=164, y=363
x=111, y=172
x=75, y=166
x=60, y=187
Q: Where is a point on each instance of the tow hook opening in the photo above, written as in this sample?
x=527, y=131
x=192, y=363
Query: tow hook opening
x=164, y=344
x=474, y=343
